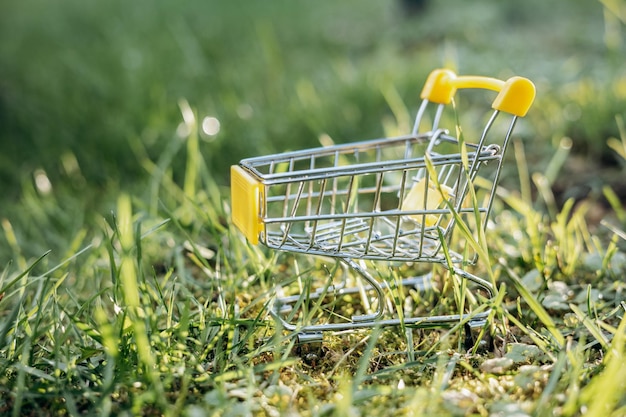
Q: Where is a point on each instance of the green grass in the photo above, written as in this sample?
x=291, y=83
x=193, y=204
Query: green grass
x=126, y=290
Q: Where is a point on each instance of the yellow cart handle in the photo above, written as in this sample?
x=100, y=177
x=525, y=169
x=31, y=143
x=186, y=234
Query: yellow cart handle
x=515, y=95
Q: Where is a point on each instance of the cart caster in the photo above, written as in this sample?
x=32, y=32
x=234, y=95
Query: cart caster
x=304, y=338
x=473, y=339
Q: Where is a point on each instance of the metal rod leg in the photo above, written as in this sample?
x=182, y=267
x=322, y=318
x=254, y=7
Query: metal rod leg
x=373, y=284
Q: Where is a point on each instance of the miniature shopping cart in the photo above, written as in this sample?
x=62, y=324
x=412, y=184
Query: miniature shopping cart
x=394, y=199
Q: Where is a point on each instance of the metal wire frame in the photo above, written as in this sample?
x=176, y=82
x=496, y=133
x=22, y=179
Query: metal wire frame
x=334, y=201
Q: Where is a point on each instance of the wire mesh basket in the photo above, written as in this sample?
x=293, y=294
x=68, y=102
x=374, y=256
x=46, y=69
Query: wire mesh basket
x=392, y=199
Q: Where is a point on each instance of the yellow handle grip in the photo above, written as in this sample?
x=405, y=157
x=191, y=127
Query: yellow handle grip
x=515, y=95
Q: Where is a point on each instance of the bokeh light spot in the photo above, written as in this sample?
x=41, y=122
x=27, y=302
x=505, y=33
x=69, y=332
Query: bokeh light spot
x=42, y=182
x=210, y=125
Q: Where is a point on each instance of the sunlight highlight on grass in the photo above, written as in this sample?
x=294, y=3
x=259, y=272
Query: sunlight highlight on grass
x=609, y=388
x=130, y=288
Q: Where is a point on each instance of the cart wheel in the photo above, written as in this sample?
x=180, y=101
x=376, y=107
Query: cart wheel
x=305, y=338
x=474, y=340
x=309, y=353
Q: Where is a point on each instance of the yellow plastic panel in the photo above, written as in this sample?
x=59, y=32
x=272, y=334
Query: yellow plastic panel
x=245, y=196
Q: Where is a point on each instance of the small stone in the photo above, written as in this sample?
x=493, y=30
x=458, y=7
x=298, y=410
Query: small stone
x=533, y=281
x=497, y=366
x=460, y=400
x=521, y=353
x=555, y=302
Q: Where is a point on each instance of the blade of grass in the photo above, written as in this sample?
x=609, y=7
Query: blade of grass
x=479, y=247
x=523, y=172
x=595, y=331
x=459, y=290
x=9, y=321
x=131, y=295
x=25, y=272
x=22, y=369
x=9, y=235
x=615, y=202
x=364, y=361
x=537, y=338
x=496, y=307
x=536, y=307
x=606, y=390
x=618, y=232
x=551, y=386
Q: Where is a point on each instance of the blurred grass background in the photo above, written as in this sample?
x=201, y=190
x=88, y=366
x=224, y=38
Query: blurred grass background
x=88, y=87
x=80, y=82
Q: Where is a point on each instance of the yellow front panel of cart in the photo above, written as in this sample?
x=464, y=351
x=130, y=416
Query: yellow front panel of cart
x=246, y=194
